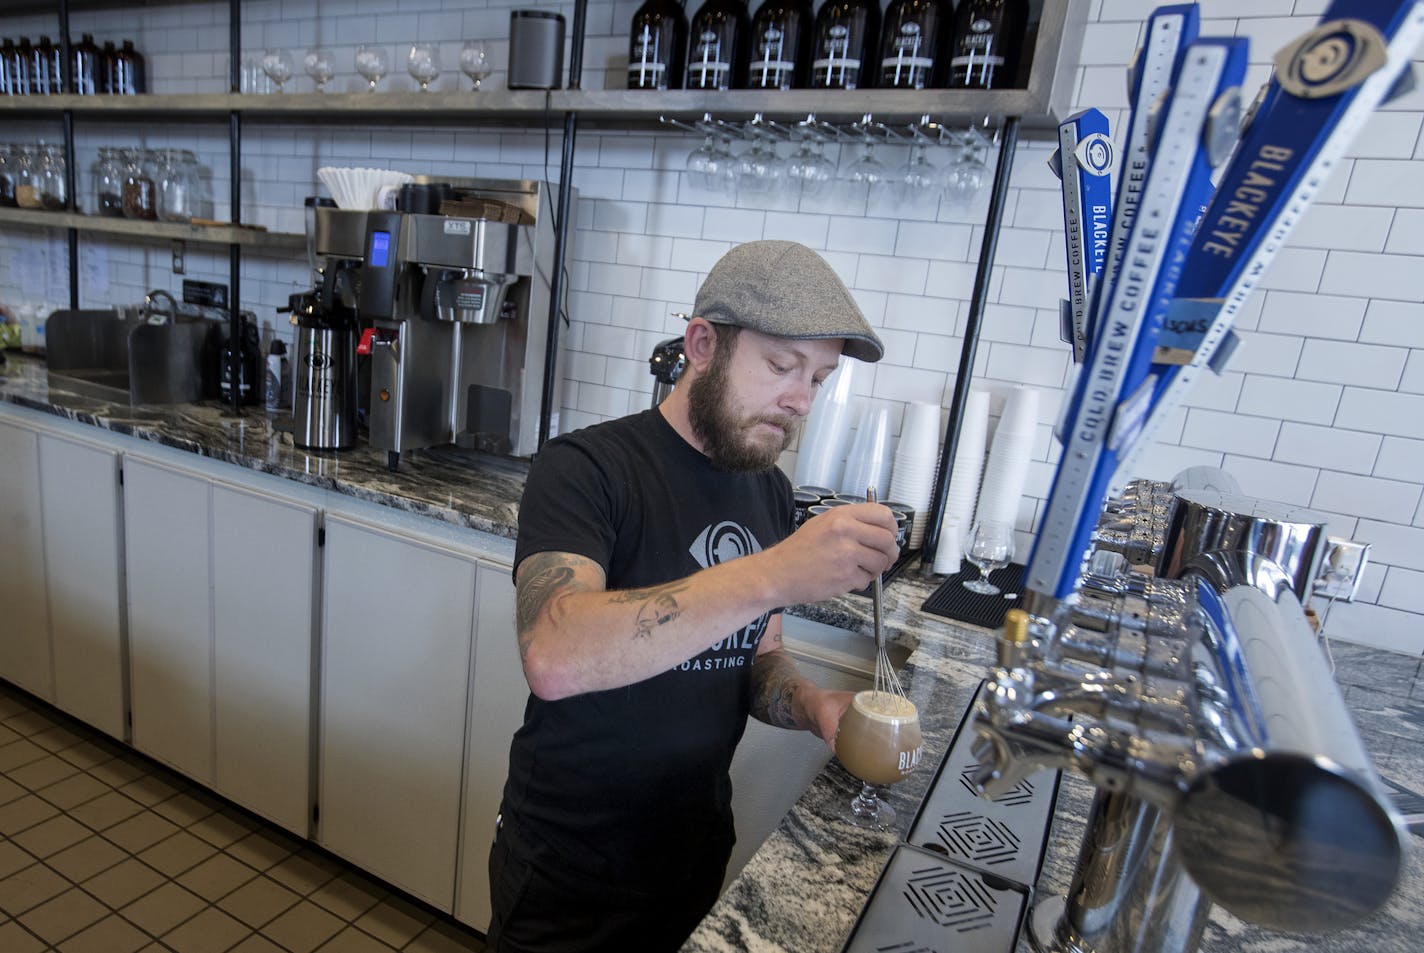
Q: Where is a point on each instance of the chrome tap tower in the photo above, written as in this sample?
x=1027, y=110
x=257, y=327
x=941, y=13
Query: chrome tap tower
x=1165, y=655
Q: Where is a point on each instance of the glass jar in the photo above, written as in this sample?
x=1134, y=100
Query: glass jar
x=27, y=184
x=109, y=183
x=201, y=199
x=175, y=188
x=8, y=161
x=140, y=200
x=54, y=187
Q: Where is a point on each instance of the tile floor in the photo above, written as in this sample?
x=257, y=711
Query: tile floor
x=104, y=851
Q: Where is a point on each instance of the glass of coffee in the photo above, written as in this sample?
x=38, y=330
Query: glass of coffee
x=879, y=742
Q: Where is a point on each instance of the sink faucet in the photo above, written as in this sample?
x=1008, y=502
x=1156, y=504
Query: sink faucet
x=150, y=308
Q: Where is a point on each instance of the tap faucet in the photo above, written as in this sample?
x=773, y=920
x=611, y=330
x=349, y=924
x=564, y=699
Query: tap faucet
x=150, y=307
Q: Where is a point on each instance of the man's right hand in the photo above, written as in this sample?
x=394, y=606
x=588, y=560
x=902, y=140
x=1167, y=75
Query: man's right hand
x=834, y=552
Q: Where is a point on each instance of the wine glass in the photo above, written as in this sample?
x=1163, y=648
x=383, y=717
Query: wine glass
x=474, y=62
x=808, y=170
x=319, y=67
x=423, y=62
x=879, y=742
x=919, y=178
x=863, y=176
x=277, y=64
x=964, y=177
x=759, y=168
x=990, y=546
x=371, y=63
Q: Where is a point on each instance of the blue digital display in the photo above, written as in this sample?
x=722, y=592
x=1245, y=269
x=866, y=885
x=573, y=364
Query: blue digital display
x=380, y=255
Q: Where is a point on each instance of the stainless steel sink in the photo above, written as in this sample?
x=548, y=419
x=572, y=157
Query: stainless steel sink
x=125, y=359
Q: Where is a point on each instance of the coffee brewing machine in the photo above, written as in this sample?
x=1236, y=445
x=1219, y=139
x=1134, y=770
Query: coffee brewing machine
x=452, y=295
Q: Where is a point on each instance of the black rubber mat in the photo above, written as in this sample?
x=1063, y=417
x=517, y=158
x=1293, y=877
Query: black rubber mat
x=954, y=601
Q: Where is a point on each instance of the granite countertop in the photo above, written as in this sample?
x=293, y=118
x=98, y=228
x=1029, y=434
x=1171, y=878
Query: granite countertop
x=803, y=890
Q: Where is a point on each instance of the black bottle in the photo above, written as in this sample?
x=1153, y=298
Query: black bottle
x=24, y=66
x=39, y=57
x=108, y=65
x=7, y=66
x=84, y=66
x=129, y=76
x=717, y=53
x=910, y=44
x=988, y=36
x=53, y=56
x=781, y=45
x=657, y=46
x=847, y=36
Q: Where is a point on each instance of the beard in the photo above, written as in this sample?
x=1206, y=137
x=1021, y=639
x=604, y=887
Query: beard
x=727, y=438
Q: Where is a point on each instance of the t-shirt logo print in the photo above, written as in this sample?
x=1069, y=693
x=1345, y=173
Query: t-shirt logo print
x=720, y=543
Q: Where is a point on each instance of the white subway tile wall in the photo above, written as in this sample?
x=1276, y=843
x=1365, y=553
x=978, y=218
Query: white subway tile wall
x=1323, y=407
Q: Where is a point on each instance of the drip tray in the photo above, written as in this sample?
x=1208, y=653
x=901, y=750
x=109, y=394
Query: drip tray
x=924, y=903
x=1004, y=837
x=963, y=882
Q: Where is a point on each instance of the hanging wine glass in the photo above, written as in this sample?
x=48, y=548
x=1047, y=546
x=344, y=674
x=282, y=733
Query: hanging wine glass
x=319, y=67
x=423, y=63
x=277, y=64
x=808, y=171
x=864, y=177
x=965, y=176
x=919, y=178
x=759, y=169
x=474, y=62
x=372, y=64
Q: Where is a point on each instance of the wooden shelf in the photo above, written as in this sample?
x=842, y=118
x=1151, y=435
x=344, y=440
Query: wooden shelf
x=153, y=231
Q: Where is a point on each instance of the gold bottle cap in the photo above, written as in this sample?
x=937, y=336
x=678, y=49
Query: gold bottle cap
x=1016, y=626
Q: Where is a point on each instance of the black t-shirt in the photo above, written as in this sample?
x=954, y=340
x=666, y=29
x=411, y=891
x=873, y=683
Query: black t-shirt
x=630, y=786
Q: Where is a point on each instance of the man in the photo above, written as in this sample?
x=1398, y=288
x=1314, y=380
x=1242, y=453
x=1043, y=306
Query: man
x=652, y=563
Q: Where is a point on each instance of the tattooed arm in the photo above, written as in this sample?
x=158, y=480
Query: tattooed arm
x=576, y=636
x=784, y=698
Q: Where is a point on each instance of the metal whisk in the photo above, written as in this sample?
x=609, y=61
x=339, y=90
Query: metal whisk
x=885, y=678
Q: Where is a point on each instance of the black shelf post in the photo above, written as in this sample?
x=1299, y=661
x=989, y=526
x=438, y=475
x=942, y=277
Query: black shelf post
x=980, y=297
x=234, y=251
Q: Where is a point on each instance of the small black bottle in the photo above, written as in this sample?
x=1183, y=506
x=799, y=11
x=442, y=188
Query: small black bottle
x=39, y=58
x=24, y=66
x=847, y=36
x=249, y=358
x=988, y=37
x=84, y=66
x=129, y=71
x=657, y=46
x=781, y=45
x=717, y=55
x=7, y=66
x=108, y=66
x=910, y=44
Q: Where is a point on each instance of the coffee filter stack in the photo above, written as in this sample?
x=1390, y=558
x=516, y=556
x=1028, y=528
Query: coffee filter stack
x=916, y=460
x=820, y=460
x=964, y=482
x=1006, y=473
x=358, y=189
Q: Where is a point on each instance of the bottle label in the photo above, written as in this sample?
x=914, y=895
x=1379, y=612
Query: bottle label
x=976, y=61
x=709, y=70
x=646, y=70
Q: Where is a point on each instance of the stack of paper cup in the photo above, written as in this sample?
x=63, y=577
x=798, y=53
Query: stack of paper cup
x=964, y=479
x=916, y=460
x=822, y=452
x=1007, y=469
x=868, y=461
x=949, y=554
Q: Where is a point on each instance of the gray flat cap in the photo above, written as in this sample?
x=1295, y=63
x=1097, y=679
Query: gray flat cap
x=787, y=290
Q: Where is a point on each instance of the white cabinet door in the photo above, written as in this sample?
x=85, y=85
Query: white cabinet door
x=264, y=555
x=167, y=546
x=83, y=560
x=24, y=621
x=396, y=626
x=498, y=694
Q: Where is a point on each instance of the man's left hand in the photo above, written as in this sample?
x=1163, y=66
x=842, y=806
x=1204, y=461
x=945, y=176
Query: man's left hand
x=824, y=708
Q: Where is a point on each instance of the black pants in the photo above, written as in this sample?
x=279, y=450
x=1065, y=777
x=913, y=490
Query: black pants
x=538, y=911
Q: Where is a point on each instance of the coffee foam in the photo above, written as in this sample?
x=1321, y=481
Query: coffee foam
x=885, y=706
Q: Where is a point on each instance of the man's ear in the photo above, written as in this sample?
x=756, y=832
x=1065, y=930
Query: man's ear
x=699, y=343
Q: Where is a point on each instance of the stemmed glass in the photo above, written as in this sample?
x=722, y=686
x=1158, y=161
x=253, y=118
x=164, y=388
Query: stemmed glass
x=865, y=174
x=474, y=62
x=879, y=742
x=808, y=170
x=990, y=546
x=759, y=168
x=709, y=165
x=319, y=67
x=424, y=64
x=371, y=63
x=964, y=177
x=277, y=64
x=919, y=177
